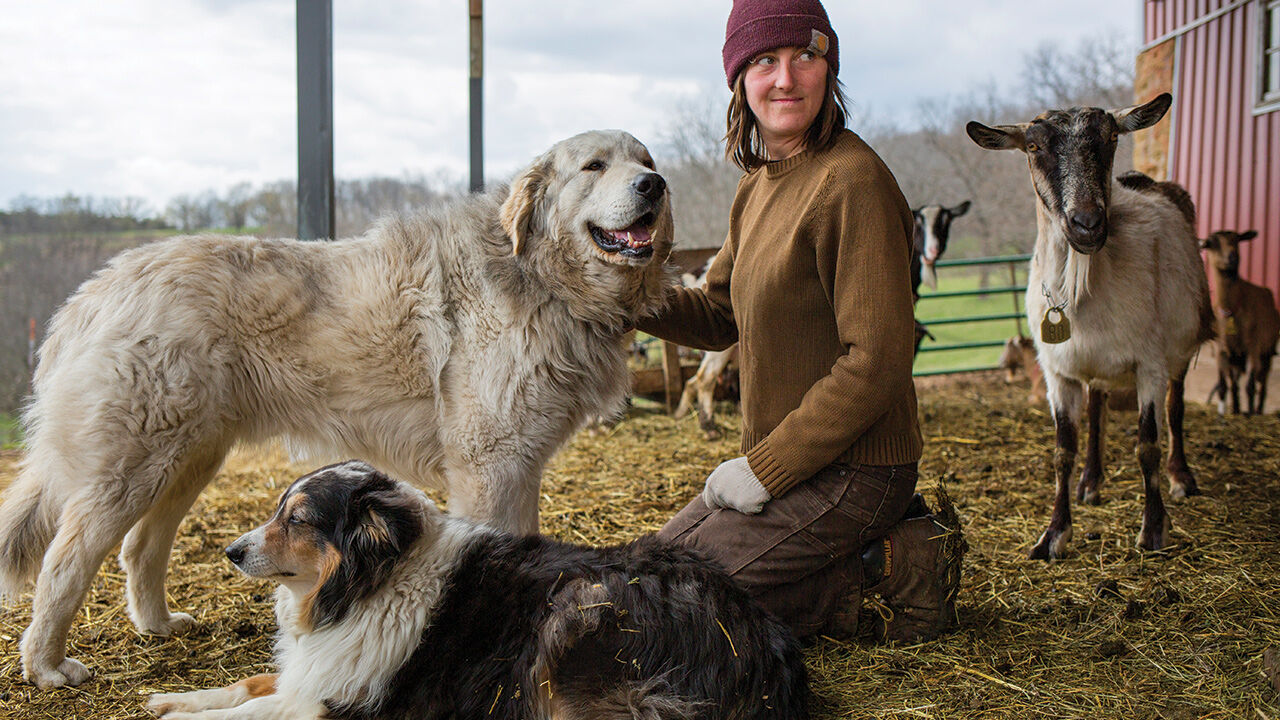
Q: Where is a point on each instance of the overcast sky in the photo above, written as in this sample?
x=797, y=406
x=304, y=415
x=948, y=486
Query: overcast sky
x=153, y=98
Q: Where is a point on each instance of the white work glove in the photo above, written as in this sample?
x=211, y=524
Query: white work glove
x=733, y=485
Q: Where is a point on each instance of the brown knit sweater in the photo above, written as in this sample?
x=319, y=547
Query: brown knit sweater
x=812, y=281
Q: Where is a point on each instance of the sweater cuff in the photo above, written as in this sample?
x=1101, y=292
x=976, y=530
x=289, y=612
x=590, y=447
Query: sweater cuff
x=776, y=479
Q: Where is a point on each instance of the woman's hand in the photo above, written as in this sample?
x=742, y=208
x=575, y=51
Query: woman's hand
x=733, y=485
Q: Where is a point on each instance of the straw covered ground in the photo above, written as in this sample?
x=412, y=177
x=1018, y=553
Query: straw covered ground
x=1107, y=632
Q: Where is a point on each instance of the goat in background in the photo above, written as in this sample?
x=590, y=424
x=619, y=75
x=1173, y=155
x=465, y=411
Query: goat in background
x=929, y=242
x=933, y=228
x=699, y=390
x=1248, y=325
x=1116, y=293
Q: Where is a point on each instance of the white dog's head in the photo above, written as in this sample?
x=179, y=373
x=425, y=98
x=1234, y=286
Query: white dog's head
x=594, y=215
x=335, y=537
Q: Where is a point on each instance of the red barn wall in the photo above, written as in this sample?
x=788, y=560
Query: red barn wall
x=1227, y=157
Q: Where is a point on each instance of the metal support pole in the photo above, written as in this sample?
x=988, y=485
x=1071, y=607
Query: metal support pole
x=477, y=95
x=315, y=119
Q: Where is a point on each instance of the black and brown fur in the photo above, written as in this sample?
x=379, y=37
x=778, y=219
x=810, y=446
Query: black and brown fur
x=506, y=626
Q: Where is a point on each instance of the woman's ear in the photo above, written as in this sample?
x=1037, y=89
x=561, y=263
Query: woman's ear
x=519, y=214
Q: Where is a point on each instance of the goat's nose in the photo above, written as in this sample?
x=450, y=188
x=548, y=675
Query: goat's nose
x=1086, y=221
x=649, y=185
x=235, y=553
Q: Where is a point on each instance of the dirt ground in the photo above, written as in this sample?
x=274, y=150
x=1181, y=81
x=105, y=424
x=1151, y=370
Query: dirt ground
x=1107, y=632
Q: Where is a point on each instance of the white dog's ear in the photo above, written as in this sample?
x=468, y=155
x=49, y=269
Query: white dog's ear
x=521, y=206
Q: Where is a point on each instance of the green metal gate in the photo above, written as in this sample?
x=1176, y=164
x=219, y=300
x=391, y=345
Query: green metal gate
x=985, y=326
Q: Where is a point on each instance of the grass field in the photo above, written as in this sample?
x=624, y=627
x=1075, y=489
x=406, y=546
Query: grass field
x=10, y=434
x=930, y=309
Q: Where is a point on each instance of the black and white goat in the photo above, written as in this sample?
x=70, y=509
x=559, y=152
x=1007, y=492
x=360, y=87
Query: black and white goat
x=933, y=228
x=1116, y=293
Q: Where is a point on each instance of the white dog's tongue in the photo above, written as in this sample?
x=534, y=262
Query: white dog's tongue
x=635, y=236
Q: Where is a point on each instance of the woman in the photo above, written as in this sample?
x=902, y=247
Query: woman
x=812, y=281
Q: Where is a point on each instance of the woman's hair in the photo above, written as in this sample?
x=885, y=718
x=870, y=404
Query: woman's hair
x=743, y=143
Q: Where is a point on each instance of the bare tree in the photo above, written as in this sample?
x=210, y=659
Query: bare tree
x=703, y=181
x=237, y=204
x=1097, y=73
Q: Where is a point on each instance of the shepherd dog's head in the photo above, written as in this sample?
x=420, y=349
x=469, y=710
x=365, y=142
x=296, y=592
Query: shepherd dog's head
x=334, y=539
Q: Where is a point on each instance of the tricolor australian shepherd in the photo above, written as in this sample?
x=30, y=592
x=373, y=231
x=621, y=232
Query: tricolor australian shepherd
x=388, y=608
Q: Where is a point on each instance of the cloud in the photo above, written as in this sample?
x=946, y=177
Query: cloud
x=159, y=97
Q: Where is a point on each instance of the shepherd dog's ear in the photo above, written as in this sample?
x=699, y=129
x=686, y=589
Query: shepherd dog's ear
x=381, y=522
x=521, y=212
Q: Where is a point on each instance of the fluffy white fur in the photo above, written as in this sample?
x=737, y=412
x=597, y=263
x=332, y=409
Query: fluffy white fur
x=457, y=349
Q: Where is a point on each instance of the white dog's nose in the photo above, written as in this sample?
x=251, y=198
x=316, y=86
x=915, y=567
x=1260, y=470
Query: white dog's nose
x=650, y=186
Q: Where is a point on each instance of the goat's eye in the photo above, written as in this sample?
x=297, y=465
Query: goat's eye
x=593, y=166
x=1032, y=147
x=1115, y=136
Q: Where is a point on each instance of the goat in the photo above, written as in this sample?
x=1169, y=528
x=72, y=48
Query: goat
x=1116, y=291
x=929, y=242
x=932, y=229
x=699, y=390
x=1248, y=325
x=1019, y=357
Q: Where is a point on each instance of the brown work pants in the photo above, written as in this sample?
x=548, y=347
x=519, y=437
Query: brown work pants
x=801, y=555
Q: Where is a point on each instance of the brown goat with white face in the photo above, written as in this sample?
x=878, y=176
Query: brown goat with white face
x=1116, y=294
x=1248, y=325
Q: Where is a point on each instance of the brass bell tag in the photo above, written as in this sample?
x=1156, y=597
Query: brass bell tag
x=1055, y=331
x=1231, y=325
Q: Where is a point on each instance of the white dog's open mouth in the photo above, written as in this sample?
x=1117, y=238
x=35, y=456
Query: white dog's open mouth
x=634, y=241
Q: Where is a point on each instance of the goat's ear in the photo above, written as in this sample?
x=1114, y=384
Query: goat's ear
x=1000, y=137
x=519, y=211
x=1143, y=116
x=1247, y=235
x=960, y=209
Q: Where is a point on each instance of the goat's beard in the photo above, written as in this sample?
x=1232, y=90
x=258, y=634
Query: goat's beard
x=929, y=276
x=1075, y=277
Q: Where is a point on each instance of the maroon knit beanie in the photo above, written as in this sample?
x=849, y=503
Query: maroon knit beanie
x=758, y=25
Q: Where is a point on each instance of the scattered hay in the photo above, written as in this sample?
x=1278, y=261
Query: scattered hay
x=1107, y=632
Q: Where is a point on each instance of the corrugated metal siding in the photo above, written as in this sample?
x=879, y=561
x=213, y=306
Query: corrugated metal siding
x=1228, y=158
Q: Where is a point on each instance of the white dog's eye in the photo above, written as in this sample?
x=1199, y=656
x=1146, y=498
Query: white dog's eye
x=593, y=166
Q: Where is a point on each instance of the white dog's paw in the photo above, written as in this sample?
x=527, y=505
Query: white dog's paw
x=68, y=672
x=176, y=624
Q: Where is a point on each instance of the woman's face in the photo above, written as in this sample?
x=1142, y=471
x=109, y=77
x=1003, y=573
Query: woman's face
x=785, y=89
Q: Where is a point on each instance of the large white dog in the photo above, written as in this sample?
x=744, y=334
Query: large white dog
x=458, y=348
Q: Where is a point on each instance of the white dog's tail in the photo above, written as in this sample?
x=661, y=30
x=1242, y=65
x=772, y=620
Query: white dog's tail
x=28, y=522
